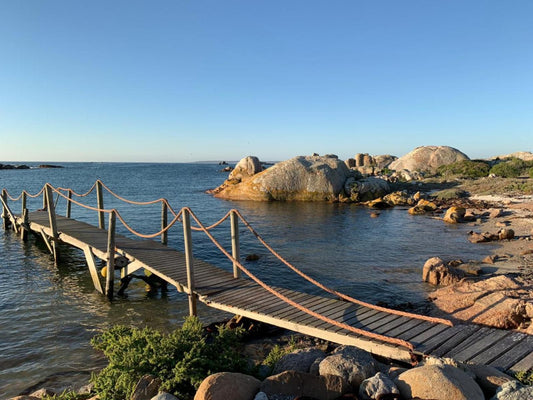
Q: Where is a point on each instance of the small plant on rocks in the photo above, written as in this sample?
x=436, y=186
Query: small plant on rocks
x=181, y=359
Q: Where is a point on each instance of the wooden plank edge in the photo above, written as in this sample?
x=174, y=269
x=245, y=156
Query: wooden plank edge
x=367, y=344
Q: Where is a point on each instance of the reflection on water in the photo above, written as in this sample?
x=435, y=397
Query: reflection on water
x=48, y=314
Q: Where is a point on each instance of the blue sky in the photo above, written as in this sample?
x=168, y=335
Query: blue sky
x=178, y=81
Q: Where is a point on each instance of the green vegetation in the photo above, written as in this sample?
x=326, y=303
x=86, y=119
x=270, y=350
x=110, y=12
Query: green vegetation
x=67, y=395
x=278, y=352
x=512, y=168
x=181, y=359
x=465, y=169
x=524, y=377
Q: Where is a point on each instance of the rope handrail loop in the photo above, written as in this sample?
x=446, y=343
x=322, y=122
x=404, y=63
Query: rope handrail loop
x=106, y=210
x=334, y=292
x=139, y=203
x=287, y=300
x=79, y=194
x=27, y=194
x=151, y=235
x=221, y=220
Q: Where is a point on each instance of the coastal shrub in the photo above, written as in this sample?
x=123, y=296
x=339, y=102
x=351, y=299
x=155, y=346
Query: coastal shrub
x=278, y=352
x=530, y=172
x=181, y=359
x=511, y=168
x=465, y=169
x=67, y=395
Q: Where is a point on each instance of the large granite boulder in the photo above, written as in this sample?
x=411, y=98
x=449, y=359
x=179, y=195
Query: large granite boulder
x=513, y=391
x=350, y=363
x=303, y=178
x=428, y=158
x=438, y=383
x=245, y=168
x=377, y=387
x=228, y=385
x=298, y=360
x=436, y=272
x=290, y=384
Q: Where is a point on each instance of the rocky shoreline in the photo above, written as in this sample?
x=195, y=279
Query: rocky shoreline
x=321, y=370
x=496, y=291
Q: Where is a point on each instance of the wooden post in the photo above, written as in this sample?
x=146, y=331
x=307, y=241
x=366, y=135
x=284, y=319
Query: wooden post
x=25, y=225
x=4, y=209
x=69, y=204
x=52, y=219
x=164, y=223
x=44, y=199
x=235, y=248
x=110, y=274
x=187, y=238
x=100, y=199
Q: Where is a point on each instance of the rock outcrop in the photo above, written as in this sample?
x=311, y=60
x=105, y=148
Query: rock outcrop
x=228, y=385
x=436, y=272
x=428, y=158
x=438, y=383
x=303, y=178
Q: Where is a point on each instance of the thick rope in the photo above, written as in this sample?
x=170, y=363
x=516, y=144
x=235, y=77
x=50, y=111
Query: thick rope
x=139, y=203
x=79, y=194
x=27, y=194
x=81, y=204
x=296, y=305
x=152, y=235
x=334, y=292
x=225, y=217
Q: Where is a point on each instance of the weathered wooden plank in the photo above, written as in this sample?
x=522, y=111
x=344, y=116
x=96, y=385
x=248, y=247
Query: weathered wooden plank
x=459, y=337
x=431, y=334
x=498, y=348
x=476, y=347
x=417, y=330
x=522, y=350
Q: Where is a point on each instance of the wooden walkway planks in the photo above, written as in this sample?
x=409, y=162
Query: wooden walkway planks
x=219, y=289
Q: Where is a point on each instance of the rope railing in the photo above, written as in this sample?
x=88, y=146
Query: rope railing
x=332, y=291
x=27, y=194
x=177, y=217
x=296, y=305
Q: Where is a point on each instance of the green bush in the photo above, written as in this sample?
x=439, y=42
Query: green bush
x=465, y=169
x=511, y=168
x=181, y=359
x=530, y=173
x=524, y=377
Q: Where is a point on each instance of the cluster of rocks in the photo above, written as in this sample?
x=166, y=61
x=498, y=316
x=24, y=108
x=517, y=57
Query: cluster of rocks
x=9, y=166
x=351, y=373
x=24, y=166
x=327, y=178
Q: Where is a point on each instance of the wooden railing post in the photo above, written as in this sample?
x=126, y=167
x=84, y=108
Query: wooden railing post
x=100, y=200
x=5, y=217
x=235, y=248
x=69, y=204
x=24, y=226
x=52, y=219
x=187, y=238
x=164, y=223
x=110, y=273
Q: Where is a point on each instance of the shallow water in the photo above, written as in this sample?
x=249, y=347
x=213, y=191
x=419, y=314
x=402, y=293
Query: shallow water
x=48, y=314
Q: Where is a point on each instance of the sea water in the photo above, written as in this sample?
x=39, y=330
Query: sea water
x=49, y=313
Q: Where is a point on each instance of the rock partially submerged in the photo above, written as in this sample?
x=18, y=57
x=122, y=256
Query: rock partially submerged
x=428, y=158
x=303, y=178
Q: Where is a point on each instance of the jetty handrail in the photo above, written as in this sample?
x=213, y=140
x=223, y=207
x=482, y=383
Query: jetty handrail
x=295, y=304
x=235, y=259
x=332, y=291
x=79, y=194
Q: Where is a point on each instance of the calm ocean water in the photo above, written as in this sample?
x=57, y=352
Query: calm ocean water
x=49, y=313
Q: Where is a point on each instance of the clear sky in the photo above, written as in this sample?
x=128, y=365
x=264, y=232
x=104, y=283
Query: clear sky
x=175, y=81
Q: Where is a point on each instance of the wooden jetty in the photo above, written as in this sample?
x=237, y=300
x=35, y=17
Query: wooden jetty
x=339, y=318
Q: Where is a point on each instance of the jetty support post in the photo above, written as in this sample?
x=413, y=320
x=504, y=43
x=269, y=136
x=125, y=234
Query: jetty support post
x=69, y=204
x=187, y=238
x=24, y=227
x=5, y=216
x=235, y=248
x=110, y=273
x=49, y=195
x=164, y=223
x=100, y=206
